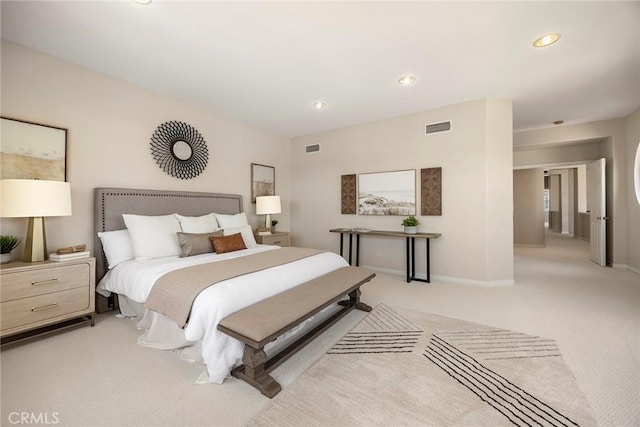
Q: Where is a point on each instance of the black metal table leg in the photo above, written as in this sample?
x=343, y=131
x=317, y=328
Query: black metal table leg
x=408, y=266
x=428, y=262
x=357, y=250
x=341, y=242
x=413, y=258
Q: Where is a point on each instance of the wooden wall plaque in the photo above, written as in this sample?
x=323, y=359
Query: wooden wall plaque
x=431, y=191
x=349, y=194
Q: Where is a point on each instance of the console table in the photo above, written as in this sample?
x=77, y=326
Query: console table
x=410, y=252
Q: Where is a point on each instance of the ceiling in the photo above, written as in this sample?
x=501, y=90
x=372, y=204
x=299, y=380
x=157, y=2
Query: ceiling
x=265, y=63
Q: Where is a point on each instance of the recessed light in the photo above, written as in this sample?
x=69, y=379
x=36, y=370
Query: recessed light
x=546, y=40
x=407, y=80
x=319, y=105
x=142, y=1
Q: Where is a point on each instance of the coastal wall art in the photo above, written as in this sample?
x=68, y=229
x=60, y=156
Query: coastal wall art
x=32, y=151
x=431, y=191
x=263, y=181
x=349, y=194
x=387, y=193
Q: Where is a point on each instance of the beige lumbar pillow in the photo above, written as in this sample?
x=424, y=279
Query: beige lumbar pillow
x=196, y=243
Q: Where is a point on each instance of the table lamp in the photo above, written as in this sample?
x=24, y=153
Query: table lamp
x=35, y=199
x=267, y=205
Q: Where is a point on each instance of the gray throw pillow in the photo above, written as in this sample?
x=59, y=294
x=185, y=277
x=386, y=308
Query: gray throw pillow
x=196, y=243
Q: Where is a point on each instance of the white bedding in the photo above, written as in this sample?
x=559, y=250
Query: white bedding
x=219, y=352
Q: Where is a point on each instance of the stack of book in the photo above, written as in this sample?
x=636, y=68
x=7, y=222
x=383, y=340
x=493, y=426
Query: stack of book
x=68, y=257
x=262, y=231
x=70, y=253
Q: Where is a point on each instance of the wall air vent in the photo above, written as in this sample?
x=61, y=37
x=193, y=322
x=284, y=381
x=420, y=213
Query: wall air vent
x=438, y=127
x=312, y=148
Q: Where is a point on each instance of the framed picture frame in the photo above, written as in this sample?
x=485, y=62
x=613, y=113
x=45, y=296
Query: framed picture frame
x=32, y=150
x=387, y=193
x=263, y=181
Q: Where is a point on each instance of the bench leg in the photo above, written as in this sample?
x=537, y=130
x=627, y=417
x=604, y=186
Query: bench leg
x=354, y=301
x=254, y=373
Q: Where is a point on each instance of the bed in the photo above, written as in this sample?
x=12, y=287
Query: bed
x=127, y=284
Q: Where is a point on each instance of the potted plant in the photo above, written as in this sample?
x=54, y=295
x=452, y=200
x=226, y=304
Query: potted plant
x=7, y=244
x=273, y=225
x=410, y=224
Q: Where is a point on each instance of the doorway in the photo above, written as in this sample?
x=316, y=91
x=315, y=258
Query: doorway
x=566, y=205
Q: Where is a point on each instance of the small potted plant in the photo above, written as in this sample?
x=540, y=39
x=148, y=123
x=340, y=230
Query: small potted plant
x=7, y=244
x=273, y=225
x=410, y=224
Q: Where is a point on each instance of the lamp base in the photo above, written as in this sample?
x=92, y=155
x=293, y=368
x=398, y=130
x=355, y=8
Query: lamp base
x=267, y=222
x=35, y=245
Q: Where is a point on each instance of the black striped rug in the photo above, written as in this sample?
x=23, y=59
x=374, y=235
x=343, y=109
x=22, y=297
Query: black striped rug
x=402, y=367
x=382, y=331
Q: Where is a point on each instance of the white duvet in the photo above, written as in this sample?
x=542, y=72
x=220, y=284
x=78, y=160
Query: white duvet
x=219, y=352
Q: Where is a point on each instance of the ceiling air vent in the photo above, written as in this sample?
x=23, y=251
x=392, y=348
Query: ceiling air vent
x=438, y=127
x=312, y=148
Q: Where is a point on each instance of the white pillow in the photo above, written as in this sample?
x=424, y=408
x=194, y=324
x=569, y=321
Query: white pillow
x=153, y=236
x=198, y=224
x=116, y=246
x=247, y=234
x=228, y=221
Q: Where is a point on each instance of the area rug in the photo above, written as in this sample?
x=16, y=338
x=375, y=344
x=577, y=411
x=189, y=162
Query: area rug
x=402, y=367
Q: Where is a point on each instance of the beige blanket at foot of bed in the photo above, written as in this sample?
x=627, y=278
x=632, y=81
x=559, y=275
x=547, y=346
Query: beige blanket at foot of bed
x=173, y=293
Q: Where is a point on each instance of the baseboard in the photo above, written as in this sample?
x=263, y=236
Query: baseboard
x=471, y=282
x=443, y=279
x=627, y=267
x=524, y=245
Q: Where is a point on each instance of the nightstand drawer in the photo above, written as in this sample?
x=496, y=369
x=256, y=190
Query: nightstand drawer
x=25, y=311
x=277, y=238
x=30, y=283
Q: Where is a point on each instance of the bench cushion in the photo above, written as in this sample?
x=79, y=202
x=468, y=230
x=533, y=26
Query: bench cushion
x=263, y=321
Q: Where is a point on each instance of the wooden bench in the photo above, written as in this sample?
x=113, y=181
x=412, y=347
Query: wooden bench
x=263, y=322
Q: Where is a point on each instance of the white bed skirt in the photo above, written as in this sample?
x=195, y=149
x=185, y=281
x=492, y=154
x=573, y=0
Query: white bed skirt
x=163, y=333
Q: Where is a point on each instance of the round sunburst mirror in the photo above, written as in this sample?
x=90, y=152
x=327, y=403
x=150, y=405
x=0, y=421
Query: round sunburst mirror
x=179, y=150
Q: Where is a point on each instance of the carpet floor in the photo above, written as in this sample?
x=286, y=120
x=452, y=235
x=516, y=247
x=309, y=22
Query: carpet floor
x=100, y=377
x=402, y=367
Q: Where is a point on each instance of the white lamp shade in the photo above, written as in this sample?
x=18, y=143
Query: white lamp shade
x=268, y=205
x=34, y=198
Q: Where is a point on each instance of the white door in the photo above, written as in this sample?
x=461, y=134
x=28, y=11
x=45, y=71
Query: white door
x=596, y=204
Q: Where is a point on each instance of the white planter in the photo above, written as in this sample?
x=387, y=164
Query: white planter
x=5, y=258
x=410, y=230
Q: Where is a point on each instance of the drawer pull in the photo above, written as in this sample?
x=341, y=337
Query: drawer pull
x=276, y=242
x=44, y=307
x=43, y=282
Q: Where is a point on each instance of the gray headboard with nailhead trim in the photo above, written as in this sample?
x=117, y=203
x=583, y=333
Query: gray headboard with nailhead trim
x=111, y=203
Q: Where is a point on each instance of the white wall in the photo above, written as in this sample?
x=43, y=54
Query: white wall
x=528, y=202
x=582, y=187
x=110, y=123
x=633, y=216
x=477, y=192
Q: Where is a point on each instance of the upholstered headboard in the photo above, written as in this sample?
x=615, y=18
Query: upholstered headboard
x=111, y=203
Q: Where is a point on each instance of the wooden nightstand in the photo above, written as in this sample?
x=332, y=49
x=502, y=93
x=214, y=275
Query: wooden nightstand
x=278, y=238
x=44, y=296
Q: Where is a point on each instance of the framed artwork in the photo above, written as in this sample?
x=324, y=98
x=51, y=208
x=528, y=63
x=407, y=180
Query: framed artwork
x=387, y=193
x=263, y=181
x=31, y=150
